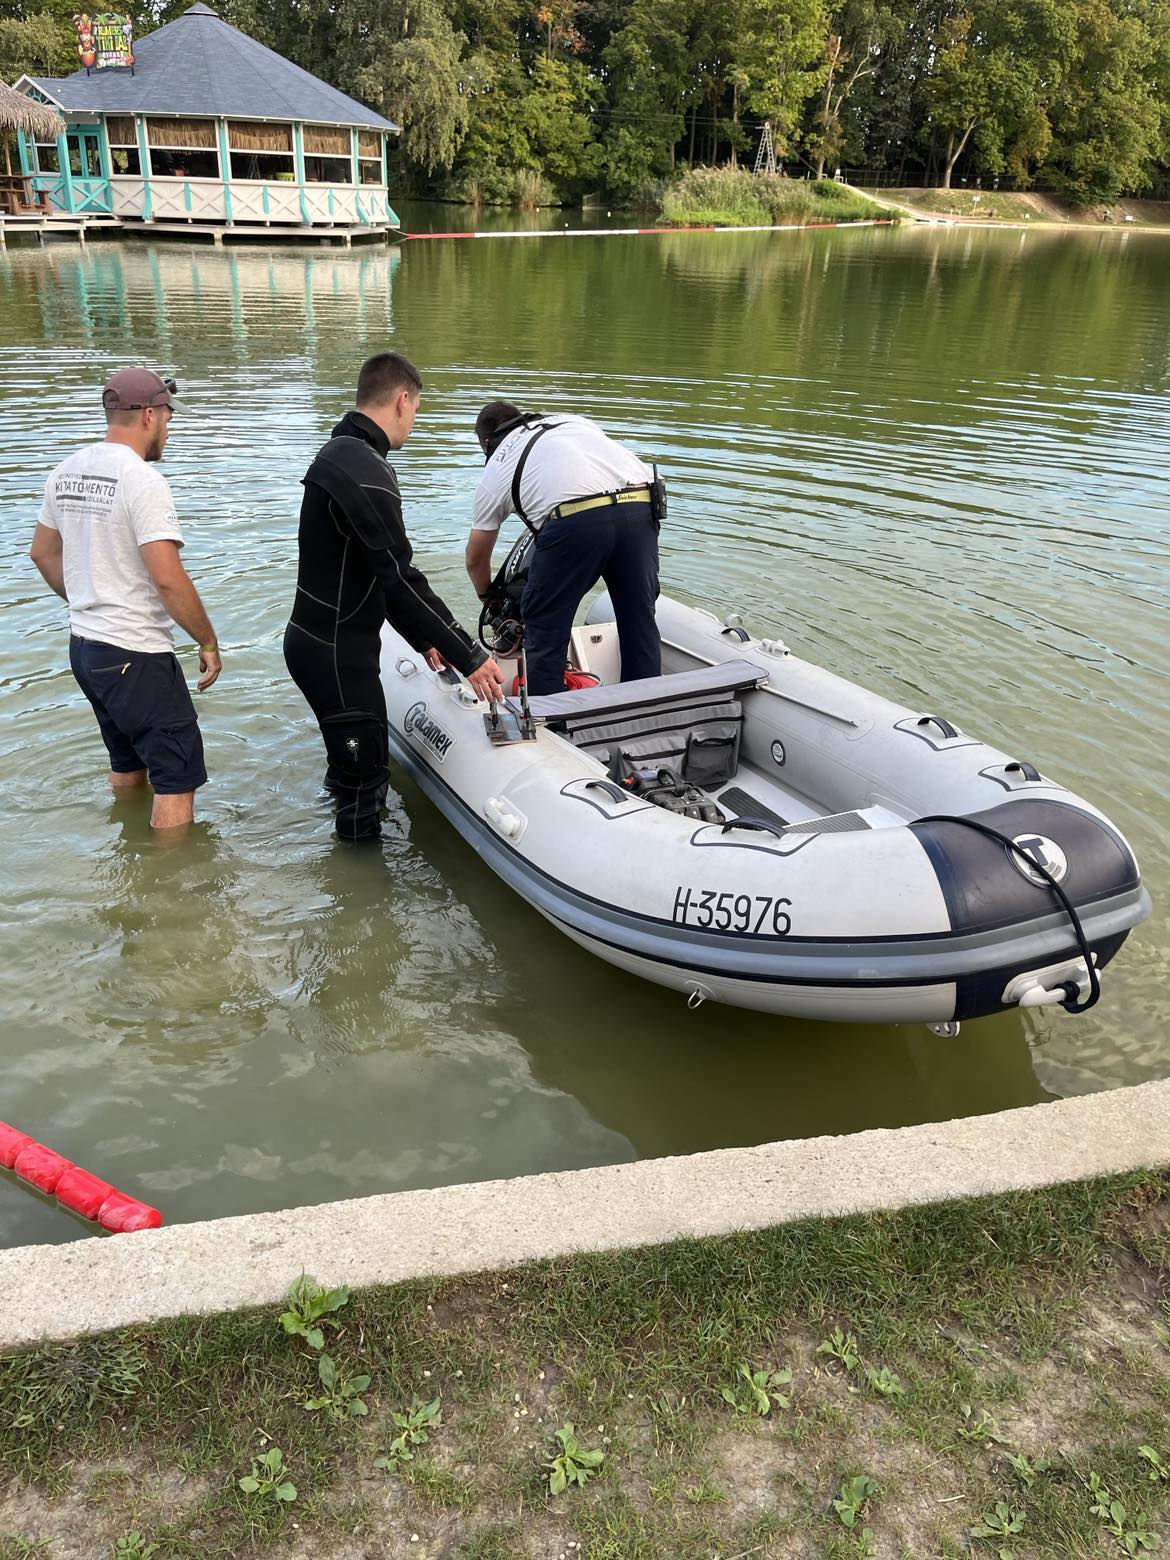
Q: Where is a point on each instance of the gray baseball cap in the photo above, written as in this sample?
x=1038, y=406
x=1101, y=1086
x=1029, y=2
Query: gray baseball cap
x=132, y=389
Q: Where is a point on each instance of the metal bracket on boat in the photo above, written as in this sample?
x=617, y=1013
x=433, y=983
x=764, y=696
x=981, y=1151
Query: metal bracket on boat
x=466, y=695
x=1049, y=986
x=405, y=667
x=697, y=995
x=775, y=647
x=947, y=1030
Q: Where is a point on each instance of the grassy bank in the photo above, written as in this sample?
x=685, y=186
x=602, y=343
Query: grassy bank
x=990, y=205
x=976, y=1378
x=727, y=197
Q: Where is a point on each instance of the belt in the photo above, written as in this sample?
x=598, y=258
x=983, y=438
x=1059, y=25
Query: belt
x=639, y=495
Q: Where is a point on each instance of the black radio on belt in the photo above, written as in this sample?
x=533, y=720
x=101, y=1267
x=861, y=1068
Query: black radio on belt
x=657, y=497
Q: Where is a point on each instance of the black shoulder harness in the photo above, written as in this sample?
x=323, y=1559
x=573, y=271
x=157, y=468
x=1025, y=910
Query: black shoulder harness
x=519, y=472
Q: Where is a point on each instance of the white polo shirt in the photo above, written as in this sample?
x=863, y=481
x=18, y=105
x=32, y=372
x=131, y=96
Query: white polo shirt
x=576, y=459
x=107, y=502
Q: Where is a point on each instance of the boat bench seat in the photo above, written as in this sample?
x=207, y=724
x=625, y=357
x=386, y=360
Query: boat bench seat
x=620, y=699
x=690, y=722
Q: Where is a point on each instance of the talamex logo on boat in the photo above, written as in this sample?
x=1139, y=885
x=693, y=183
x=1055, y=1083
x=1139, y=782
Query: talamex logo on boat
x=427, y=731
x=1045, y=852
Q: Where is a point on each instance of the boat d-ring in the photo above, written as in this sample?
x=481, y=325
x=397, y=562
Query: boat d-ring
x=696, y=996
x=405, y=667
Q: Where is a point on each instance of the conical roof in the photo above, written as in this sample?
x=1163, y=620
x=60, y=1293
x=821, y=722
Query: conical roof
x=201, y=65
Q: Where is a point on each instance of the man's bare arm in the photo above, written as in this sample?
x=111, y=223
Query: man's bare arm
x=47, y=553
x=479, y=559
x=181, y=600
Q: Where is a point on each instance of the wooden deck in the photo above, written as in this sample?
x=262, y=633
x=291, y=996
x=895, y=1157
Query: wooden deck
x=60, y=224
x=346, y=234
x=55, y=224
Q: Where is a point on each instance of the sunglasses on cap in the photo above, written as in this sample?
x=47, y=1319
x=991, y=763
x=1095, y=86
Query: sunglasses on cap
x=169, y=387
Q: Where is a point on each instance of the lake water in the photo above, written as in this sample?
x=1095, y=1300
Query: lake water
x=933, y=459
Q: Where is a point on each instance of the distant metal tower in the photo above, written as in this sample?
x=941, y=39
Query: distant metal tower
x=766, y=156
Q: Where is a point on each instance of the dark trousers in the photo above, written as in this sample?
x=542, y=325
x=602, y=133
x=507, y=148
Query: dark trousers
x=357, y=774
x=618, y=544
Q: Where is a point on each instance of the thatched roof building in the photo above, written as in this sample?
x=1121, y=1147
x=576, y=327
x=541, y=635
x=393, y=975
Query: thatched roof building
x=210, y=128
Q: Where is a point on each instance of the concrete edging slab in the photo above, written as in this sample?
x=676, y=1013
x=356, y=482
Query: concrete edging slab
x=53, y=1293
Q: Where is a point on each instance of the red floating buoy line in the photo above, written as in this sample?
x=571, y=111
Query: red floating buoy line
x=84, y=1193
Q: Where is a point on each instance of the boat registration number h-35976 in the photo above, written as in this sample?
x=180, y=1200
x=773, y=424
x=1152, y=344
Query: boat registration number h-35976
x=426, y=731
x=723, y=910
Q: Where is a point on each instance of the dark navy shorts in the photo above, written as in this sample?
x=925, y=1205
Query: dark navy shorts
x=145, y=712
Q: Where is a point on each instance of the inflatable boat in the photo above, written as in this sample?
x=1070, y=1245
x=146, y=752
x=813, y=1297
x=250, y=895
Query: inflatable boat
x=749, y=828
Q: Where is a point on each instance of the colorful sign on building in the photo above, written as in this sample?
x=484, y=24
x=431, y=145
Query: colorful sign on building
x=104, y=39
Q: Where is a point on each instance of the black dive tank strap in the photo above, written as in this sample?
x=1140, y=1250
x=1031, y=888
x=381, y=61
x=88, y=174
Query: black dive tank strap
x=519, y=472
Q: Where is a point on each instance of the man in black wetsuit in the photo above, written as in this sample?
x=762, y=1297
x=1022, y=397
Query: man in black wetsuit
x=356, y=573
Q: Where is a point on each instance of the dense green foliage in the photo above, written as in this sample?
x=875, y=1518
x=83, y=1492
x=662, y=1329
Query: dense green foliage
x=500, y=98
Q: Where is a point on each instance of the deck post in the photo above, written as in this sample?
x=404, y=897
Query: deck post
x=298, y=131
x=66, y=185
x=355, y=174
x=144, y=168
x=225, y=167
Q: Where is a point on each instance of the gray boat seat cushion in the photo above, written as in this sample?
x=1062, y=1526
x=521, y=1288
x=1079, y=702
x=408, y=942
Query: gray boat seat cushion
x=645, y=693
x=700, y=741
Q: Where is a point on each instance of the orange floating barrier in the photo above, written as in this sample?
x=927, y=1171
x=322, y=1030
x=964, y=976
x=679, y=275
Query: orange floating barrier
x=121, y=1214
x=82, y=1192
x=76, y=1188
x=11, y=1143
x=41, y=1167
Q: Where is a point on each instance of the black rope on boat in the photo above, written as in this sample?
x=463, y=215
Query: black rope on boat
x=1071, y=1004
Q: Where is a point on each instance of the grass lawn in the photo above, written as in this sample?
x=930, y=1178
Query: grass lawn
x=964, y=202
x=983, y=1378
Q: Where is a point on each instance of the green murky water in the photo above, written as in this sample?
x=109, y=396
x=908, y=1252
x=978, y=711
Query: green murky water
x=934, y=460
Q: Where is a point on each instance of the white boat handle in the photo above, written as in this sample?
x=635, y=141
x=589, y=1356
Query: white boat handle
x=1048, y=987
x=405, y=667
x=498, y=813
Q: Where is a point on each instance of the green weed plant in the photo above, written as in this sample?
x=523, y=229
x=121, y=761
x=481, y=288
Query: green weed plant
x=414, y=1429
x=342, y=1395
x=757, y=1391
x=309, y=1307
x=268, y=1482
x=572, y=1464
x=851, y=1501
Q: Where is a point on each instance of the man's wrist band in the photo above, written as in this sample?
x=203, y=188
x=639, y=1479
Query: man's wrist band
x=211, y=649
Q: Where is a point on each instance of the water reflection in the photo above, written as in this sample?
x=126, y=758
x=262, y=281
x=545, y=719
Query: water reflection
x=935, y=461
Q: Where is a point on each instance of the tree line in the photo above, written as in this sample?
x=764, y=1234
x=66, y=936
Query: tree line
x=579, y=95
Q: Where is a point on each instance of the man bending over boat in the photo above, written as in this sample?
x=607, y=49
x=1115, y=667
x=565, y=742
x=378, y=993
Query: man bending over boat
x=356, y=572
x=589, y=502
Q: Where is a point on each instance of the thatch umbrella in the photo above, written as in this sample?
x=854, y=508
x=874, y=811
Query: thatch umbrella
x=18, y=112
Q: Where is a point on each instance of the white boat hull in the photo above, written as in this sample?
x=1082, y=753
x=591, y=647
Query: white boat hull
x=846, y=906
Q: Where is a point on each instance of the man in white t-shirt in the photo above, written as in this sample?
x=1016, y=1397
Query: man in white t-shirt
x=108, y=542
x=588, y=499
